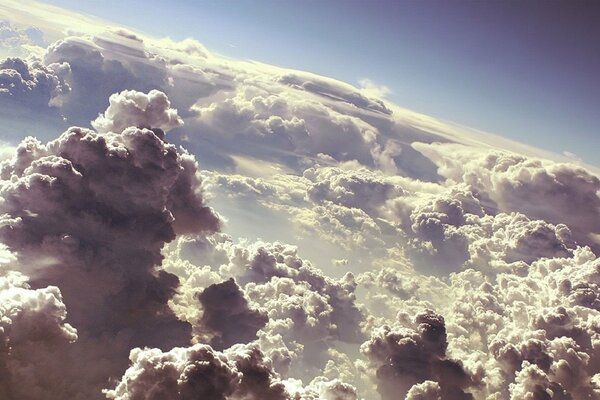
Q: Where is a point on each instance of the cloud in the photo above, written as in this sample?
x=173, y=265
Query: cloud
x=455, y=230
x=227, y=315
x=89, y=212
x=241, y=372
x=285, y=126
x=95, y=74
x=331, y=88
x=398, y=212
x=404, y=358
x=286, y=116
x=29, y=86
x=353, y=189
x=132, y=108
x=517, y=183
x=20, y=41
x=293, y=310
x=373, y=89
x=32, y=326
x=199, y=372
x=427, y=390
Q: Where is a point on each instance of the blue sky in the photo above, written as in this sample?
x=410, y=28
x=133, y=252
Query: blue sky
x=524, y=70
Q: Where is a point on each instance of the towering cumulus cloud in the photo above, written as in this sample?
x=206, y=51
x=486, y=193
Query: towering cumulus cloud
x=89, y=212
x=405, y=357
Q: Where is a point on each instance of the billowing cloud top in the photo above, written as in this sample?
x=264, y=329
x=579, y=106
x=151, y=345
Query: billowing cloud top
x=217, y=229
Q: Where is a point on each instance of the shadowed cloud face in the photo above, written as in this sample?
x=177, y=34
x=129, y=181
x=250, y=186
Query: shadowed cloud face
x=227, y=314
x=406, y=358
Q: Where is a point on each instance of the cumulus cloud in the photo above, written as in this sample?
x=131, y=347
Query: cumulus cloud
x=241, y=372
x=284, y=126
x=285, y=116
x=353, y=189
x=30, y=83
x=294, y=311
x=557, y=193
x=32, y=326
x=455, y=230
x=89, y=212
x=132, y=108
x=112, y=224
x=199, y=372
x=29, y=86
x=405, y=358
x=95, y=74
x=227, y=316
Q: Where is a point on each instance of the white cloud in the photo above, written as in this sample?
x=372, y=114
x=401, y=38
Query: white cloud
x=131, y=108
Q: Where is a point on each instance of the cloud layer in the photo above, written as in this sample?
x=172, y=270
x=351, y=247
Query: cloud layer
x=326, y=245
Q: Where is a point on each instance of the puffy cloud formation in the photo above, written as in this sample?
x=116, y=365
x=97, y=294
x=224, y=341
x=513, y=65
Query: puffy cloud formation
x=93, y=69
x=405, y=358
x=131, y=108
x=286, y=127
x=352, y=189
x=283, y=116
x=530, y=329
x=499, y=302
x=518, y=183
x=199, y=372
x=441, y=267
x=30, y=83
x=454, y=229
x=32, y=325
x=293, y=310
x=241, y=372
x=89, y=212
x=30, y=87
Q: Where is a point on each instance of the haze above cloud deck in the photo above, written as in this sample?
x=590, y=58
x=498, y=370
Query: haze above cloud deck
x=445, y=263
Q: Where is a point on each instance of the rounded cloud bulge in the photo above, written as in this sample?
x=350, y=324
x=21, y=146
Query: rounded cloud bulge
x=179, y=225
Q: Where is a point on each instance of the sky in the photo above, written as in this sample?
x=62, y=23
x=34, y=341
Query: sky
x=524, y=70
